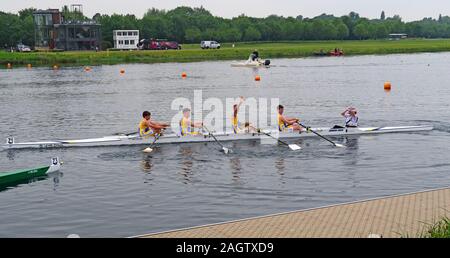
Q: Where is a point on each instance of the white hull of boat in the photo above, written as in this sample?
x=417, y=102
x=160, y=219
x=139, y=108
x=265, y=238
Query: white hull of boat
x=122, y=140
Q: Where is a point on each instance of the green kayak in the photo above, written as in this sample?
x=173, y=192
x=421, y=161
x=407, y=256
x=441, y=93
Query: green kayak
x=11, y=177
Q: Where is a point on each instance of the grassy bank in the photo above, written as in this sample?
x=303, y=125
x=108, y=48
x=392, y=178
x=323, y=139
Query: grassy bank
x=440, y=229
x=241, y=51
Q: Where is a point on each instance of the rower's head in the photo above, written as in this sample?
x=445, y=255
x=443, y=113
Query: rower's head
x=280, y=109
x=352, y=111
x=146, y=115
x=186, y=112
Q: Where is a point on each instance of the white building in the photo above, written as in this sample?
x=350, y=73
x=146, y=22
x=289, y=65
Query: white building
x=126, y=39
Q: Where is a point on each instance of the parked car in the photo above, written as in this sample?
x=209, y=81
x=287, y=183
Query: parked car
x=157, y=44
x=210, y=44
x=23, y=48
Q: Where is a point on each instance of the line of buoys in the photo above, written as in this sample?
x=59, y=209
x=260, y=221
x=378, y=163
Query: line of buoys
x=387, y=86
x=257, y=78
x=183, y=75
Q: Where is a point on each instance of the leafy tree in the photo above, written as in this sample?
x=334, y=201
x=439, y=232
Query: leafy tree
x=251, y=34
x=361, y=31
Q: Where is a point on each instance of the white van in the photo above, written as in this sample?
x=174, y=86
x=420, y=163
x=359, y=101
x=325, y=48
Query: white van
x=209, y=44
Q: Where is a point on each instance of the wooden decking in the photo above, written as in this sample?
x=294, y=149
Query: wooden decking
x=397, y=216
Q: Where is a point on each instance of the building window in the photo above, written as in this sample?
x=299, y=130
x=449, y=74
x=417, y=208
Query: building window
x=119, y=33
x=131, y=42
x=120, y=42
x=127, y=42
x=130, y=33
x=135, y=33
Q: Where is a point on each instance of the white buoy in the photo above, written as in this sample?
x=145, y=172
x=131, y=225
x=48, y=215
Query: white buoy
x=148, y=150
x=73, y=236
x=374, y=236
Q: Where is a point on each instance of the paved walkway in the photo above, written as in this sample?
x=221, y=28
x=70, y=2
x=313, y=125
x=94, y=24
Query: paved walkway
x=402, y=215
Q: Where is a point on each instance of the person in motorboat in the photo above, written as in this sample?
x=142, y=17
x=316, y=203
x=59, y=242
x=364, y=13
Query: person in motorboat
x=187, y=127
x=148, y=127
x=287, y=123
x=237, y=126
x=255, y=55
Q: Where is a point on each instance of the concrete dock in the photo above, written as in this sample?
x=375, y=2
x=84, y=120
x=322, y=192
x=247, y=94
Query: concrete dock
x=404, y=215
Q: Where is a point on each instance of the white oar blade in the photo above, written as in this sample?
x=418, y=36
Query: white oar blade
x=148, y=150
x=339, y=145
x=226, y=150
x=294, y=147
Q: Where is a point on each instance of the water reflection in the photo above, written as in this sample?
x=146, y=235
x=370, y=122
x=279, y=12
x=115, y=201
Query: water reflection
x=186, y=163
x=351, y=151
x=236, y=169
x=280, y=166
x=10, y=154
x=146, y=163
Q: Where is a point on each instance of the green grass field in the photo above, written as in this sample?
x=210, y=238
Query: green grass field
x=241, y=51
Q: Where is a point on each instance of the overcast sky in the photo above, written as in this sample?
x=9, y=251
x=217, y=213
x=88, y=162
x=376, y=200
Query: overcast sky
x=408, y=9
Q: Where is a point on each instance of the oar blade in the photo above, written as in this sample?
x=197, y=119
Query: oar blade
x=148, y=150
x=226, y=150
x=294, y=147
x=339, y=145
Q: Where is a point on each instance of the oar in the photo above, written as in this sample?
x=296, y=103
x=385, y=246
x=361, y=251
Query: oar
x=225, y=149
x=149, y=149
x=323, y=137
x=293, y=147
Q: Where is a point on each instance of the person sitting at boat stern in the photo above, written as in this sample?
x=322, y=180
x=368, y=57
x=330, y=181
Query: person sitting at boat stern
x=351, y=117
x=187, y=127
x=147, y=127
x=287, y=123
x=237, y=126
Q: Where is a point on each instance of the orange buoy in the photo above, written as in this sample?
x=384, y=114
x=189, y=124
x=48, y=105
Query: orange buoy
x=387, y=86
x=87, y=69
x=55, y=67
x=8, y=66
x=183, y=75
x=122, y=71
x=257, y=78
x=29, y=66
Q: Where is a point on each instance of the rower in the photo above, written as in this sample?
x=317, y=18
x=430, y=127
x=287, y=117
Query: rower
x=287, y=123
x=187, y=126
x=147, y=127
x=237, y=127
x=351, y=117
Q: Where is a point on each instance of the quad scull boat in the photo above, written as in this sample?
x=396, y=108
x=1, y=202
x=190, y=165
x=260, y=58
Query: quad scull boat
x=135, y=139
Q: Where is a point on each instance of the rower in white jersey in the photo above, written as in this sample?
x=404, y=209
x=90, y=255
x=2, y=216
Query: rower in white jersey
x=351, y=117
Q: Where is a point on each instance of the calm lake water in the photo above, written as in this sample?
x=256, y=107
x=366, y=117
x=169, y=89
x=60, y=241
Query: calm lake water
x=120, y=191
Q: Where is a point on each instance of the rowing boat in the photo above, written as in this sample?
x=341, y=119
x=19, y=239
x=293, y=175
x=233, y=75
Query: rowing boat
x=135, y=139
x=19, y=175
x=264, y=63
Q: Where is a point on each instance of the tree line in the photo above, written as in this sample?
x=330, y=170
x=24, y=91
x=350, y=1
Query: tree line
x=191, y=25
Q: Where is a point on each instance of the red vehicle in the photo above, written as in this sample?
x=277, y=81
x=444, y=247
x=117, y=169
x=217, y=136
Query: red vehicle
x=157, y=44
